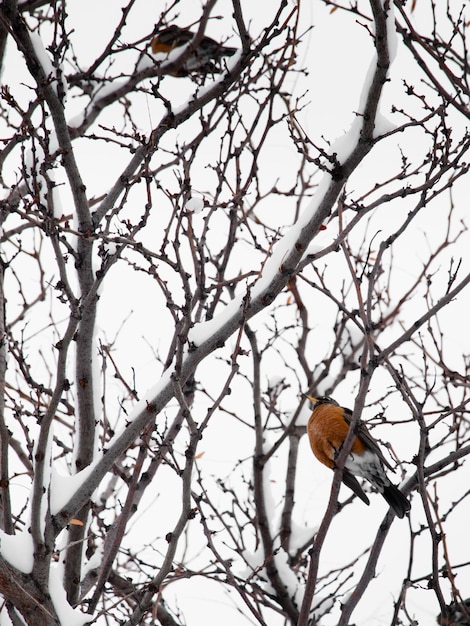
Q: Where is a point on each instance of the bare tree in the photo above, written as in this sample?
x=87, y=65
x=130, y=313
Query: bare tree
x=175, y=276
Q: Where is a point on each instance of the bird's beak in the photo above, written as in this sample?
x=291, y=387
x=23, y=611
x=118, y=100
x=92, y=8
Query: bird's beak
x=311, y=398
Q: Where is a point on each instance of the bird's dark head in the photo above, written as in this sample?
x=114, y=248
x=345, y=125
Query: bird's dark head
x=171, y=30
x=321, y=400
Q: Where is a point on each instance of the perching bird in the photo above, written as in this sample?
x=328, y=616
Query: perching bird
x=457, y=614
x=327, y=429
x=205, y=59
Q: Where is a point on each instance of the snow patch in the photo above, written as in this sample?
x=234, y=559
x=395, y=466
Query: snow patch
x=195, y=204
x=64, y=486
x=392, y=37
x=67, y=614
x=203, y=331
x=46, y=63
x=300, y=535
x=18, y=550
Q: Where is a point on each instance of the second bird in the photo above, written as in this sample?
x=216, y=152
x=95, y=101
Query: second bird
x=206, y=58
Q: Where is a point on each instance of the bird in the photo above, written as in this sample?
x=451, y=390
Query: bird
x=327, y=429
x=205, y=59
x=457, y=614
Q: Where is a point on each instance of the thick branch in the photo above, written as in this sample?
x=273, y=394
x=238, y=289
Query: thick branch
x=33, y=603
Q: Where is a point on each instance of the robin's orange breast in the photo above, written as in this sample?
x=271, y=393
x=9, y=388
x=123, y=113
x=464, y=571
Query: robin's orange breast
x=160, y=46
x=327, y=431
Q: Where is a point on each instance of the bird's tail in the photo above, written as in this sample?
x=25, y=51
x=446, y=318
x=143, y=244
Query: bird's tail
x=225, y=51
x=399, y=503
x=351, y=481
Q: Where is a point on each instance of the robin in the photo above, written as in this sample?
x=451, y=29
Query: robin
x=327, y=429
x=205, y=59
x=458, y=614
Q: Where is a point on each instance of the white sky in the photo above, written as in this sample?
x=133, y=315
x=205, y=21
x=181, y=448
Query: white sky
x=338, y=59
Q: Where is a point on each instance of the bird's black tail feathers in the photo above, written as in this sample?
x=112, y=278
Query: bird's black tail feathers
x=394, y=497
x=351, y=481
x=399, y=503
x=225, y=51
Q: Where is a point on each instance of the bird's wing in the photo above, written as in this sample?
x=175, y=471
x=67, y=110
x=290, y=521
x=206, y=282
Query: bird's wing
x=174, y=36
x=364, y=435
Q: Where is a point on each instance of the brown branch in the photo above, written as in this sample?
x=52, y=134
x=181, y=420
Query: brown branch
x=147, y=597
x=116, y=534
x=30, y=599
x=432, y=312
x=259, y=486
x=5, y=435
